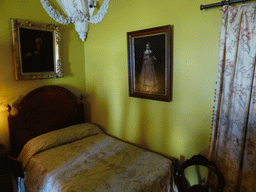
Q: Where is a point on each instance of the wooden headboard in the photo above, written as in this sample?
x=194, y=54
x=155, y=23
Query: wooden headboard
x=42, y=110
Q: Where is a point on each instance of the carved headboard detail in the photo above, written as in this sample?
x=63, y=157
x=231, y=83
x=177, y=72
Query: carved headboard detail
x=42, y=110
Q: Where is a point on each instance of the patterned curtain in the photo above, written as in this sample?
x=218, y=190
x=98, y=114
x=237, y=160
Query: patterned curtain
x=234, y=122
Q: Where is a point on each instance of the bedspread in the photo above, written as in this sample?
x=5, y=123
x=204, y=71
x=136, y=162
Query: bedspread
x=94, y=162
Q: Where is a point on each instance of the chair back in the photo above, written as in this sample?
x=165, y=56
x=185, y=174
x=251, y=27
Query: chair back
x=199, y=160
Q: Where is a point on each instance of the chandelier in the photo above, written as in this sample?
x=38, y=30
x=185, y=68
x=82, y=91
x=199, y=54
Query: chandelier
x=79, y=12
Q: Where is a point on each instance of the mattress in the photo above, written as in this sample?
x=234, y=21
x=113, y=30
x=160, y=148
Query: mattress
x=83, y=158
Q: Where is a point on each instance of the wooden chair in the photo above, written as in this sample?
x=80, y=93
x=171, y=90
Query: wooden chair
x=198, y=160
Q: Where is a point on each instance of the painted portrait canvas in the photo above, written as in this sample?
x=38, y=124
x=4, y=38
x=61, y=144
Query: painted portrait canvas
x=149, y=63
x=36, y=50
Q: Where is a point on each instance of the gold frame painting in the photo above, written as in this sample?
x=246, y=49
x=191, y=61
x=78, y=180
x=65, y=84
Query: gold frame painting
x=36, y=50
x=150, y=63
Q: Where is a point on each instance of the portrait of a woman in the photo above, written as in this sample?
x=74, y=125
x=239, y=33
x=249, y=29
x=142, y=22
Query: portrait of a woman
x=147, y=80
x=149, y=55
x=149, y=63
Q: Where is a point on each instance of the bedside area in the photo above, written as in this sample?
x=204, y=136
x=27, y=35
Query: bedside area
x=6, y=183
x=9, y=170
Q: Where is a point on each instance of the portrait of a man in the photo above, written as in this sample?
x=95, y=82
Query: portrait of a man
x=37, y=51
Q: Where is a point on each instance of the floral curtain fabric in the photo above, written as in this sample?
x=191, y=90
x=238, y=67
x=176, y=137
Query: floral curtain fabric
x=234, y=123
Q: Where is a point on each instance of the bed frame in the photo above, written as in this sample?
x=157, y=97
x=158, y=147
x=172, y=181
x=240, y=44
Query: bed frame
x=42, y=110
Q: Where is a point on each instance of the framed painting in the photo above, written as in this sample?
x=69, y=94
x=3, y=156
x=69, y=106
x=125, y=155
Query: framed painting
x=150, y=63
x=36, y=50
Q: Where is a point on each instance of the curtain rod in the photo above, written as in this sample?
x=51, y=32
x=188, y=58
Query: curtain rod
x=221, y=3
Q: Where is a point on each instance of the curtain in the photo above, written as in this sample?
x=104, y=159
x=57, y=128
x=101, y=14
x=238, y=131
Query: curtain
x=233, y=137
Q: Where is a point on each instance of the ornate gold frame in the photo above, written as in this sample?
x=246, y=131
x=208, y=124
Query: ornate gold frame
x=51, y=37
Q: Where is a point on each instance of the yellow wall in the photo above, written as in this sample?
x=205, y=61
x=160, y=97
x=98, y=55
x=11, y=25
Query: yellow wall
x=181, y=127
x=71, y=54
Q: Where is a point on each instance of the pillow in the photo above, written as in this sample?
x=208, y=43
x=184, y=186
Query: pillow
x=56, y=138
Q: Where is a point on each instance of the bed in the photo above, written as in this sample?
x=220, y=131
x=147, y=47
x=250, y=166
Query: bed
x=61, y=152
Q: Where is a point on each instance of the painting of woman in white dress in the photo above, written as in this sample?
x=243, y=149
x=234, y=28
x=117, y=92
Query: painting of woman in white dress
x=148, y=81
x=149, y=63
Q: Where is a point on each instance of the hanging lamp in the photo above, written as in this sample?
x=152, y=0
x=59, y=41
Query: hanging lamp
x=79, y=12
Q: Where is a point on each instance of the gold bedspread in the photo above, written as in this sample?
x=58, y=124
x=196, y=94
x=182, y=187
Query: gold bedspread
x=83, y=158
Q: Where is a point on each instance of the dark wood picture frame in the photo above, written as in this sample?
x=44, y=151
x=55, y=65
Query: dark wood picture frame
x=150, y=63
x=36, y=50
